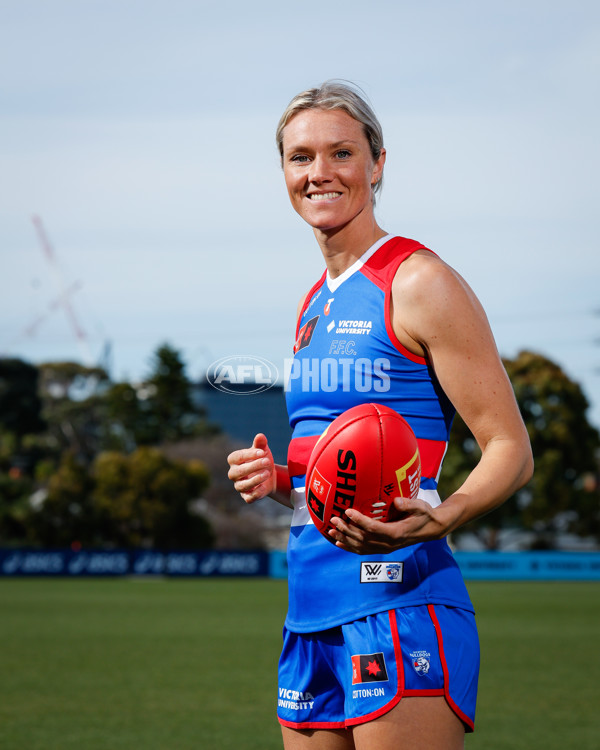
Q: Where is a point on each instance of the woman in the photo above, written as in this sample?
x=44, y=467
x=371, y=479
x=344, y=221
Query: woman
x=368, y=662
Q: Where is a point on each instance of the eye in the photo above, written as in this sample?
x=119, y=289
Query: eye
x=343, y=153
x=299, y=158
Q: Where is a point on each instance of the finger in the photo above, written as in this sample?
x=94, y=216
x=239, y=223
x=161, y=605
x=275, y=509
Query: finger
x=251, y=497
x=239, y=471
x=250, y=482
x=406, y=505
x=345, y=530
x=339, y=536
x=365, y=523
x=260, y=442
x=243, y=456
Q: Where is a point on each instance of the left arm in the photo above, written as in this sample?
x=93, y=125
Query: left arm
x=435, y=314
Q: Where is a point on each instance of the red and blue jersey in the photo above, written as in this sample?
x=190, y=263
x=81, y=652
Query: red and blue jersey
x=346, y=353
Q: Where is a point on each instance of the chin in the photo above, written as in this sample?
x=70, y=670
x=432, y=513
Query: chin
x=325, y=226
x=324, y=220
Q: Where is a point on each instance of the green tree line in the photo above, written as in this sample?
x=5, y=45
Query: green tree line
x=80, y=456
x=86, y=460
x=563, y=495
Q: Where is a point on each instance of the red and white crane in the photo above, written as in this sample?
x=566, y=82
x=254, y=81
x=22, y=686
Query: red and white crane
x=63, y=300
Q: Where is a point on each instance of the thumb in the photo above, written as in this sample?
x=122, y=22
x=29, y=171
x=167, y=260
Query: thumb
x=402, y=504
x=260, y=442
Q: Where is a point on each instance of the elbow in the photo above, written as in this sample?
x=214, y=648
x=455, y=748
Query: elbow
x=527, y=468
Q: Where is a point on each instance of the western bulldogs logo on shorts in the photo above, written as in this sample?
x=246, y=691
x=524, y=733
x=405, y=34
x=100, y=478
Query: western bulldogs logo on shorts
x=421, y=661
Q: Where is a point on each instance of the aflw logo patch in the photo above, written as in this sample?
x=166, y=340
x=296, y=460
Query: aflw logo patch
x=368, y=668
x=383, y=572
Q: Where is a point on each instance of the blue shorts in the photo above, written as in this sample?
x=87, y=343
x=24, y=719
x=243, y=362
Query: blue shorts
x=357, y=672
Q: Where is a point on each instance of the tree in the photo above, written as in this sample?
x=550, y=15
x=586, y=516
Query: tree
x=169, y=404
x=65, y=515
x=73, y=406
x=124, y=425
x=20, y=405
x=15, y=491
x=20, y=422
x=159, y=410
x=69, y=490
x=144, y=499
x=565, y=447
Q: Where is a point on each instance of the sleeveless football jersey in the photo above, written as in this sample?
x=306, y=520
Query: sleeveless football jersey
x=346, y=353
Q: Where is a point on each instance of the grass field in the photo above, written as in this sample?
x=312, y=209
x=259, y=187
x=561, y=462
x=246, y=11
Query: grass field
x=171, y=665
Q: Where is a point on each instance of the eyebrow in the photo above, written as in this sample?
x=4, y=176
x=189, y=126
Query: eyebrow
x=337, y=144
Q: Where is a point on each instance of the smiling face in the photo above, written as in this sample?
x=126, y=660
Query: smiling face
x=329, y=169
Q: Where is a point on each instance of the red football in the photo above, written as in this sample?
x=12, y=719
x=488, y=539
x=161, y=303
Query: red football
x=364, y=459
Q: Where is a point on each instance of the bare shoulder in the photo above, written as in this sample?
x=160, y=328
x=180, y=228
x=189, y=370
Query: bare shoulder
x=425, y=277
x=431, y=301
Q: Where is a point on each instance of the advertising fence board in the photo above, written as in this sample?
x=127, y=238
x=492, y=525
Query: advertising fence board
x=500, y=566
x=66, y=562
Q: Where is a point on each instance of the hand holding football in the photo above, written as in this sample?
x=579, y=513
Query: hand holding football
x=365, y=458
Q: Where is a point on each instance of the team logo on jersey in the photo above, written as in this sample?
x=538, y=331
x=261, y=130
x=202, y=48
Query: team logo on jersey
x=381, y=572
x=368, y=668
x=327, y=307
x=421, y=661
x=305, y=334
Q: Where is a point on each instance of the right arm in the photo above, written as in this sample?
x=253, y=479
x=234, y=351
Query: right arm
x=253, y=471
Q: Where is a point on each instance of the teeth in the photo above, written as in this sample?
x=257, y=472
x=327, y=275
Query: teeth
x=323, y=196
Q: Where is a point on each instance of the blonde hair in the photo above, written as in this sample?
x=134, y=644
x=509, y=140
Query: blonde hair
x=342, y=95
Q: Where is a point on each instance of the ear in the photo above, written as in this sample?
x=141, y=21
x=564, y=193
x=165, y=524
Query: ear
x=378, y=168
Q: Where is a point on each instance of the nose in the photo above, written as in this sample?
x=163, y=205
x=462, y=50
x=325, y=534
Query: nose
x=320, y=170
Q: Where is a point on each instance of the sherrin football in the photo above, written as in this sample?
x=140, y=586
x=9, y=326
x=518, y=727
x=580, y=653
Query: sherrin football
x=365, y=458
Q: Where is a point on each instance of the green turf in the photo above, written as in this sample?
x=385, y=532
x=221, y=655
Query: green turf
x=540, y=671
x=172, y=665
x=139, y=664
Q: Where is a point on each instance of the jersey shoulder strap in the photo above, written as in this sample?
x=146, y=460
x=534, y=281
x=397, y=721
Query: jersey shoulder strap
x=382, y=265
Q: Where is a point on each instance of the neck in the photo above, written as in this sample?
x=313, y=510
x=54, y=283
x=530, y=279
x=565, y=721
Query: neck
x=345, y=245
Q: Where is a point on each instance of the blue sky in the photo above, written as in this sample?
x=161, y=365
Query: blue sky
x=143, y=135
